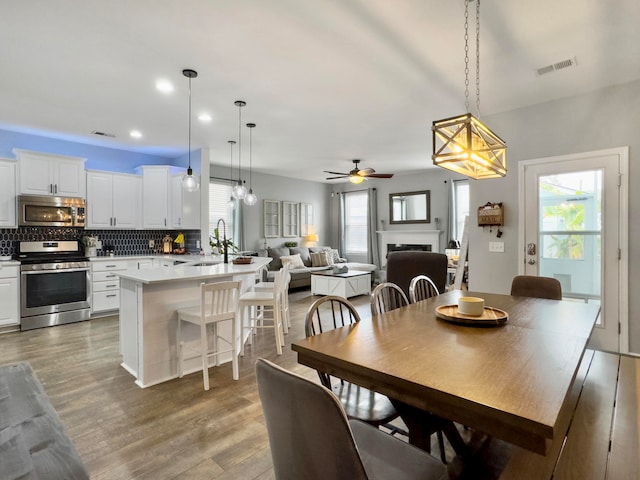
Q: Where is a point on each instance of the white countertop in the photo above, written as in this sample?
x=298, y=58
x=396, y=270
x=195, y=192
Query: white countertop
x=176, y=258
x=190, y=272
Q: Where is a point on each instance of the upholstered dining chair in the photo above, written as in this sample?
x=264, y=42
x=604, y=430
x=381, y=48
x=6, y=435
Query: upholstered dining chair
x=218, y=303
x=386, y=297
x=405, y=265
x=331, y=312
x=311, y=438
x=538, y=287
x=422, y=287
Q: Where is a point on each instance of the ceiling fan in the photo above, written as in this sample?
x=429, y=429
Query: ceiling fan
x=357, y=176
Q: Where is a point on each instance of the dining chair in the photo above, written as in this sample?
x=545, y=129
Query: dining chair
x=252, y=306
x=404, y=265
x=422, y=287
x=311, y=437
x=386, y=297
x=538, y=287
x=218, y=303
x=331, y=312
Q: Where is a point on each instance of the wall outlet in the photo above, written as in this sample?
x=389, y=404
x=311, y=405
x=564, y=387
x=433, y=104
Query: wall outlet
x=152, y=244
x=496, y=247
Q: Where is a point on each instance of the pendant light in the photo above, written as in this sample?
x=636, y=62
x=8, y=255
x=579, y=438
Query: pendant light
x=232, y=203
x=189, y=181
x=239, y=191
x=251, y=198
x=463, y=144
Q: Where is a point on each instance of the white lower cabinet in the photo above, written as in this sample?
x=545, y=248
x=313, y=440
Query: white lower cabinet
x=105, y=282
x=9, y=296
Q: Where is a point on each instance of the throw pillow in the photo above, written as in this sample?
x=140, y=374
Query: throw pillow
x=321, y=259
x=335, y=255
x=292, y=261
x=304, y=254
x=276, y=254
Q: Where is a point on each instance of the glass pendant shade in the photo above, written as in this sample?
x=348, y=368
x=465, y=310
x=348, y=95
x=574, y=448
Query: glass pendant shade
x=463, y=144
x=231, y=203
x=239, y=191
x=357, y=179
x=251, y=198
x=190, y=181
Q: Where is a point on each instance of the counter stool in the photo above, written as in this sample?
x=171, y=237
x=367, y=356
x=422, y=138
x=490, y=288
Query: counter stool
x=218, y=303
x=259, y=300
x=268, y=287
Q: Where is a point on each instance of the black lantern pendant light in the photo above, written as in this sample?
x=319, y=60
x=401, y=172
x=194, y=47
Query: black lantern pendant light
x=189, y=181
x=463, y=143
x=251, y=198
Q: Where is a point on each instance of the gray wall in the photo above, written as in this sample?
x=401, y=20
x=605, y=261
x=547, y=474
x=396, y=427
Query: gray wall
x=602, y=119
x=273, y=187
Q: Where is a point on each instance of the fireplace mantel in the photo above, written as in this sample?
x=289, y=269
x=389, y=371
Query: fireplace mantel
x=429, y=237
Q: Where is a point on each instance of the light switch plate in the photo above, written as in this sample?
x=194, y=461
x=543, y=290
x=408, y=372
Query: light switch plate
x=496, y=247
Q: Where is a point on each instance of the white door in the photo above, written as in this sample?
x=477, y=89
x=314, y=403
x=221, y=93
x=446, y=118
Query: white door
x=573, y=216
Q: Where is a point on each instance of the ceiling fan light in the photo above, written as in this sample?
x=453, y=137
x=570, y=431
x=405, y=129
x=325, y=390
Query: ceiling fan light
x=356, y=179
x=464, y=145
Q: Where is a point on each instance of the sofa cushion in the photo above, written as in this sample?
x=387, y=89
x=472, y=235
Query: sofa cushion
x=276, y=253
x=292, y=261
x=321, y=259
x=304, y=254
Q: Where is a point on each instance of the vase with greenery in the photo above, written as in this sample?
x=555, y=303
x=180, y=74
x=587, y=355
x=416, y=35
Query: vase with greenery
x=220, y=245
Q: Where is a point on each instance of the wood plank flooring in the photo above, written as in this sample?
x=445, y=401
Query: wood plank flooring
x=172, y=430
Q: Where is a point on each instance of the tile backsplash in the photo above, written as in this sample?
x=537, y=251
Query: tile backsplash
x=124, y=242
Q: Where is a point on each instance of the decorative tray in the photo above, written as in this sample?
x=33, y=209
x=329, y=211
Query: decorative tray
x=491, y=317
x=242, y=260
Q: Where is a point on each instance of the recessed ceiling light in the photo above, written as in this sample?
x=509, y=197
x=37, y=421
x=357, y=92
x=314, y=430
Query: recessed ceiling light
x=164, y=86
x=135, y=134
x=204, y=117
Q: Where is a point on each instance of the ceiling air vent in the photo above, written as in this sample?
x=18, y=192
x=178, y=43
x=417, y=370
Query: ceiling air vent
x=103, y=134
x=554, y=67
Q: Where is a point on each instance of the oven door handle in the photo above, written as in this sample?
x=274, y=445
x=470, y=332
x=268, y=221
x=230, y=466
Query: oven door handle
x=61, y=270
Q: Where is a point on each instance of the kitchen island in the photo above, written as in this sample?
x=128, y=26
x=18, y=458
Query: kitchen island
x=149, y=299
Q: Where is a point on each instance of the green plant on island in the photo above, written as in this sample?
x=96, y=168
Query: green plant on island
x=219, y=244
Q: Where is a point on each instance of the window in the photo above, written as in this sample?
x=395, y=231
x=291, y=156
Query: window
x=219, y=195
x=355, y=222
x=460, y=207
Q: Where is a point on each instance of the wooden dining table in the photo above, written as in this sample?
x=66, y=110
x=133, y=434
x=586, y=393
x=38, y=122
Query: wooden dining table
x=511, y=381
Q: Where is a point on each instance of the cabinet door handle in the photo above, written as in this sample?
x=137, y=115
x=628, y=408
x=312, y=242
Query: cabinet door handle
x=112, y=286
x=55, y=188
x=110, y=266
x=111, y=296
x=115, y=222
x=165, y=222
x=110, y=276
x=51, y=188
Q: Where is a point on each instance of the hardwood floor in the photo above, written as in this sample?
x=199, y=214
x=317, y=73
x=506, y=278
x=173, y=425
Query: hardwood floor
x=172, y=430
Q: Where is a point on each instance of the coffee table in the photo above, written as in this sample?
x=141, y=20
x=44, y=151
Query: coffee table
x=348, y=284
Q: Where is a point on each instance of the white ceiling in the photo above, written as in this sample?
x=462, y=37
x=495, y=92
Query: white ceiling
x=325, y=81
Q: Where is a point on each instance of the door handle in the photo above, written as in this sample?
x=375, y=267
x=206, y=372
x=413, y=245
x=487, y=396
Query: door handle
x=531, y=261
x=531, y=248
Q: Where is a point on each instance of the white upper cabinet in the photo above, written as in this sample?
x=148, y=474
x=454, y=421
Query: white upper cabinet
x=185, y=206
x=155, y=197
x=50, y=174
x=7, y=193
x=113, y=200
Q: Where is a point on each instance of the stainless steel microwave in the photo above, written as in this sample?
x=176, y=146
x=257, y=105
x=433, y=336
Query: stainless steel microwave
x=46, y=211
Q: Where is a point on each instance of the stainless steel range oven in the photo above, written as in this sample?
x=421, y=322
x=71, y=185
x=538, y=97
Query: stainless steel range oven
x=54, y=284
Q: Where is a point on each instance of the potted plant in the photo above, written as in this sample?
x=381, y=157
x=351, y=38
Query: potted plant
x=220, y=245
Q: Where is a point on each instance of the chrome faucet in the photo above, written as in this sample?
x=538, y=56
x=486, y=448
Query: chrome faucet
x=224, y=239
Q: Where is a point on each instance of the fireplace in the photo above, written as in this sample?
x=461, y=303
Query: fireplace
x=401, y=247
x=394, y=240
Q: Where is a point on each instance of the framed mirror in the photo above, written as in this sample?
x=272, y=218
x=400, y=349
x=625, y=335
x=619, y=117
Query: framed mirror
x=410, y=207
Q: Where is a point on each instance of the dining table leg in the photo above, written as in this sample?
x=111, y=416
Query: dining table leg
x=422, y=425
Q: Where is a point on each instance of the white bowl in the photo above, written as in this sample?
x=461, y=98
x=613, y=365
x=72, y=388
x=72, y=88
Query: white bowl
x=473, y=306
